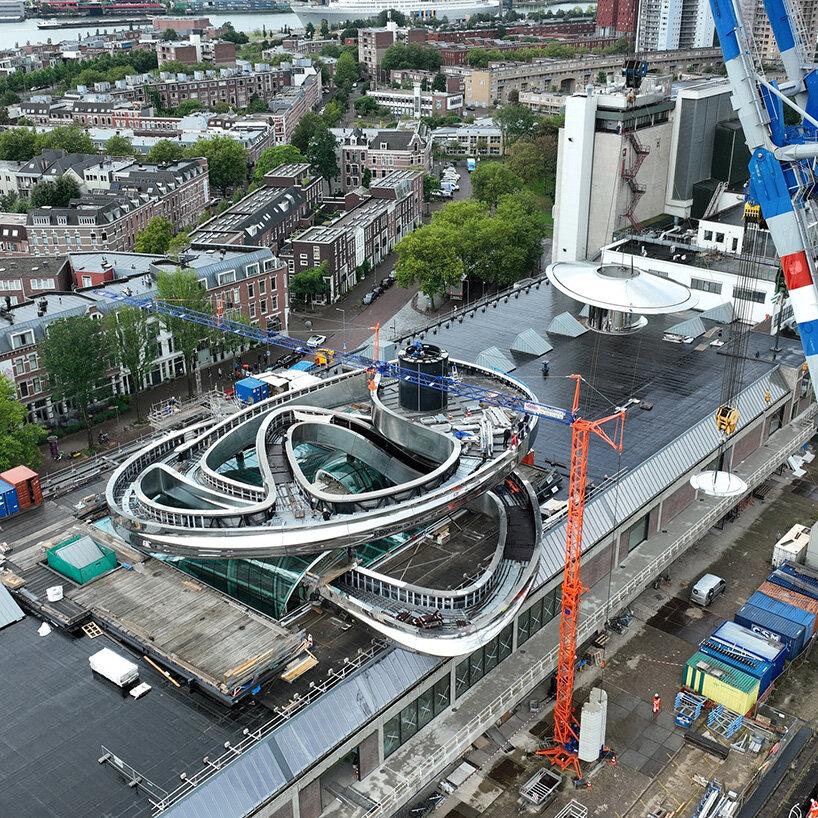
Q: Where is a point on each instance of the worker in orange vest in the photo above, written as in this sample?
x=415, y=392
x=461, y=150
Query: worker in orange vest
x=657, y=701
x=813, y=808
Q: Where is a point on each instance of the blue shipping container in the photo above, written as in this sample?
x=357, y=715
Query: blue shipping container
x=740, y=659
x=9, y=503
x=302, y=366
x=251, y=390
x=759, y=620
x=771, y=650
x=793, y=612
x=789, y=576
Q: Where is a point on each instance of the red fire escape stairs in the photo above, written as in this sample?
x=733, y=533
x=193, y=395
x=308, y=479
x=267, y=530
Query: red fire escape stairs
x=633, y=155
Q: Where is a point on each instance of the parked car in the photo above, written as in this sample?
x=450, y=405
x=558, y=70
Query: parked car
x=286, y=361
x=387, y=282
x=369, y=298
x=316, y=340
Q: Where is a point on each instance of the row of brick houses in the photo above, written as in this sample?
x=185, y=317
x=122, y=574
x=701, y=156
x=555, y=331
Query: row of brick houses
x=251, y=278
x=120, y=198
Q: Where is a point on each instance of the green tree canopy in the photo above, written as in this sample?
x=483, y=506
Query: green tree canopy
x=188, y=106
x=346, y=71
x=155, y=236
x=182, y=287
x=18, y=144
x=535, y=159
x=119, y=146
x=132, y=339
x=273, y=157
x=332, y=114
x=257, y=105
x=412, y=55
x=439, y=82
x=166, y=150
x=54, y=194
x=491, y=180
x=516, y=121
x=430, y=185
x=74, y=353
x=366, y=106
x=310, y=283
x=18, y=437
x=321, y=153
x=427, y=257
x=226, y=161
x=71, y=138
x=233, y=36
x=169, y=34
x=303, y=132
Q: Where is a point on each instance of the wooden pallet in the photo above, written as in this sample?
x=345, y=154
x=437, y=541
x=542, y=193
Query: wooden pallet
x=298, y=667
x=92, y=630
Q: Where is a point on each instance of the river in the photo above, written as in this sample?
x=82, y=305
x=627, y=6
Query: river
x=13, y=34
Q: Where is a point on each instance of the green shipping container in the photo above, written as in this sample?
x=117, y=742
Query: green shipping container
x=81, y=559
x=721, y=683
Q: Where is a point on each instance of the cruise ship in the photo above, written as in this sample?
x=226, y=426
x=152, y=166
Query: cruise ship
x=338, y=11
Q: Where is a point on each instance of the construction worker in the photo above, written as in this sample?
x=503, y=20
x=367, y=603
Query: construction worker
x=813, y=808
x=657, y=703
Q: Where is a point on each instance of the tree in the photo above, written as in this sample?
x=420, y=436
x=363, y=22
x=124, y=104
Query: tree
x=346, y=71
x=233, y=36
x=366, y=106
x=324, y=29
x=183, y=287
x=309, y=31
x=310, y=283
x=273, y=157
x=491, y=180
x=178, y=244
x=169, y=34
x=430, y=185
x=188, y=106
x=54, y=194
x=366, y=178
x=226, y=160
x=333, y=114
x=427, y=257
x=331, y=50
x=155, y=236
x=120, y=145
x=18, y=144
x=70, y=138
x=515, y=121
x=166, y=150
x=74, y=353
x=303, y=132
x=132, y=338
x=18, y=437
x=321, y=153
x=257, y=105
x=513, y=97
x=439, y=82
x=535, y=159
x=414, y=55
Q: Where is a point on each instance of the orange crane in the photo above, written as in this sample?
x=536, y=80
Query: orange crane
x=566, y=730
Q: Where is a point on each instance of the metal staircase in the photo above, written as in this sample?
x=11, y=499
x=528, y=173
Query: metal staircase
x=633, y=156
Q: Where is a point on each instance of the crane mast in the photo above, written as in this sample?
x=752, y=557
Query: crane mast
x=782, y=163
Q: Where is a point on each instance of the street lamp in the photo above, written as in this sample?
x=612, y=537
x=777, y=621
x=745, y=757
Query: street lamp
x=344, y=331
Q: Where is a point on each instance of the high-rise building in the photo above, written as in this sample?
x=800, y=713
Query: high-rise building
x=616, y=18
x=757, y=21
x=667, y=25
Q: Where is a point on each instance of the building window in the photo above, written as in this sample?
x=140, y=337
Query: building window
x=416, y=715
x=539, y=614
x=22, y=339
x=720, y=238
x=262, y=307
x=749, y=295
x=250, y=291
x=637, y=533
x=471, y=670
x=708, y=235
x=705, y=286
x=262, y=286
x=252, y=310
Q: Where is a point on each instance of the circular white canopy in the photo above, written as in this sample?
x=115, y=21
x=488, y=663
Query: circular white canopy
x=619, y=287
x=718, y=484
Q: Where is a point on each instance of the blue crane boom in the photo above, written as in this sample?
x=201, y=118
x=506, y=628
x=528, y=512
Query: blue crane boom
x=384, y=368
x=782, y=158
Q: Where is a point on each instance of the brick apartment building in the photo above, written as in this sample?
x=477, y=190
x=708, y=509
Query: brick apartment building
x=268, y=216
x=196, y=49
x=373, y=42
x=109, y=219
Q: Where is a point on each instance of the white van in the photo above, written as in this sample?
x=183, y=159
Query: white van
x=707, y=589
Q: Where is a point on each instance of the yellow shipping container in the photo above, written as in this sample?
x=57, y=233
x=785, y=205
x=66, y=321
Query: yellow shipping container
x=721, y=683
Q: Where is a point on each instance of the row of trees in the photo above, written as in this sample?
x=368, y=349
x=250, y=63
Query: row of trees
x=411, y=56
x=78, y=353
x=496, y=243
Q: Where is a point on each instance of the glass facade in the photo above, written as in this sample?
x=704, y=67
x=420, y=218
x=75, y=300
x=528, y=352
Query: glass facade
x=471, y=670
x=416, y=715
x=538, y=615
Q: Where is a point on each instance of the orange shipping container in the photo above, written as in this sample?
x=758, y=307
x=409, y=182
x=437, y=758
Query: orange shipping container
x=806, y=603
x=27, y=483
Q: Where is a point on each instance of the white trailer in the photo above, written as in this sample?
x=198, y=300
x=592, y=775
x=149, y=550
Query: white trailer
x=114, y=667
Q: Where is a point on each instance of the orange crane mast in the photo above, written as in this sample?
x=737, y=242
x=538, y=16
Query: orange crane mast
x=566, y=730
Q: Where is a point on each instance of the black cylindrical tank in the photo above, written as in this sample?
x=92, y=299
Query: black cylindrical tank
x=427, y=360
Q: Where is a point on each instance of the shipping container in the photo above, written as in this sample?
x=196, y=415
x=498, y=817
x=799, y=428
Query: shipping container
x=790, y=597
x=251, y=390
x=792, y=546
x=720, y=682
x=792, y=612
x=740, y=659
x=27, y=483
x=8, y=499
x=797, y=577
x=771, y=649
x=759, y=620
